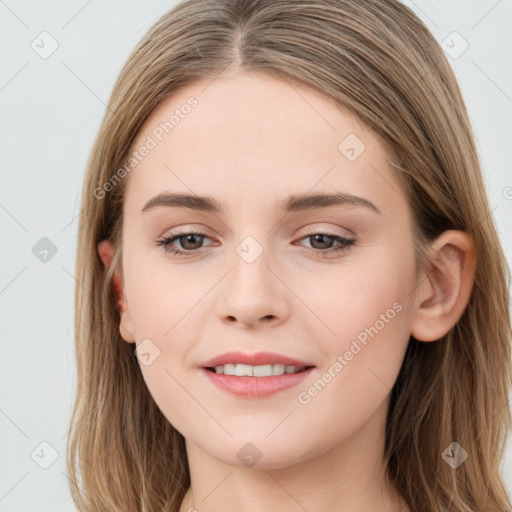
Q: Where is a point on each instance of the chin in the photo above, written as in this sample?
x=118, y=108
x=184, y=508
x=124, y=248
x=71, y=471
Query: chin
x=254, y=451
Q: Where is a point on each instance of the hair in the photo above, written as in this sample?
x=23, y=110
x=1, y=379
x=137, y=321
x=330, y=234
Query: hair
x=379, y=61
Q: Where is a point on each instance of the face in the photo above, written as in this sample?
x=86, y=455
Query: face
x=325, y=283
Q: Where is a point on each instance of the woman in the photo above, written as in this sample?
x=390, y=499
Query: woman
x=284, y=215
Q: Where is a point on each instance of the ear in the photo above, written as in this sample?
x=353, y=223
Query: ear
x=106, y=252
x=444, y=293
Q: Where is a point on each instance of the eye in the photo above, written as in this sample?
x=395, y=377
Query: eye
x=191, y=242
x=322, y=242
x=188, y=241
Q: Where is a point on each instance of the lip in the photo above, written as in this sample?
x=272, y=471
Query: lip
x=257, y=359
x=255, y=387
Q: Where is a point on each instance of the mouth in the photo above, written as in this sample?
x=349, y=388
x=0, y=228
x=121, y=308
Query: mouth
x=242, y=362
x=260, y=371
x=256, y=375
x=255, y=382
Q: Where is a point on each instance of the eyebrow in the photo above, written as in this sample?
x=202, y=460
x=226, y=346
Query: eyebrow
x=293, y=203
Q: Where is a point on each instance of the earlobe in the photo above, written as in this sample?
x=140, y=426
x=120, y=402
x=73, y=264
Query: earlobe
x=445, y=292
x=106, y=252
x=126, y=327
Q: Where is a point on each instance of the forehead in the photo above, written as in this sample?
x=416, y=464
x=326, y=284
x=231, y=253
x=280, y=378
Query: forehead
x=252, y=133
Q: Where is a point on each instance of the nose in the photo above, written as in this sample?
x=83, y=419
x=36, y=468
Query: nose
x=253, y=293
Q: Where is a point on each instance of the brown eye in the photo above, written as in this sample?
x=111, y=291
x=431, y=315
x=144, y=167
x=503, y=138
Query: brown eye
x=189, y=243
x=323, y=243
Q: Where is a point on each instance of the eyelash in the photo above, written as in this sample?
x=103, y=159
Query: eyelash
x=166, y=242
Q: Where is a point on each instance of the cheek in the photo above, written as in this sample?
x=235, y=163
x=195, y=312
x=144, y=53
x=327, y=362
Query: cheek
x=162, y=296
x=361, y=366
x=363, y=334
x=346, y=299
x=163, y=311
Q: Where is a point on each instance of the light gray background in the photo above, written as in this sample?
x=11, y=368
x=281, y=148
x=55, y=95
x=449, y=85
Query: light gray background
x=50, y=112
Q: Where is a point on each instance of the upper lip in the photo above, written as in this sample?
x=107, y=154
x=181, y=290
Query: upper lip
x=257, y=359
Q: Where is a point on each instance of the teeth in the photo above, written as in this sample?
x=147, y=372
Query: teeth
x=243, y=370
x=265, y=370
x=229, y=369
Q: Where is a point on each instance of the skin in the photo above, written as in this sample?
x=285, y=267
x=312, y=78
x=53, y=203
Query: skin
x=251, y=141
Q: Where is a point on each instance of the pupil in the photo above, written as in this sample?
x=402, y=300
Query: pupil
x=188, y=239
x=322, y=236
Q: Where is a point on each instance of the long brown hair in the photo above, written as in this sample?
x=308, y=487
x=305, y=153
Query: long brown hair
x=377, y=59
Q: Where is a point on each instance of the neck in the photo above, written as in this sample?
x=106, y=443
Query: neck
x=348, y=477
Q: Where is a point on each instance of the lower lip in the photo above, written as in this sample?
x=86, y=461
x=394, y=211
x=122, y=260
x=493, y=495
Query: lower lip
x=256, y=387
